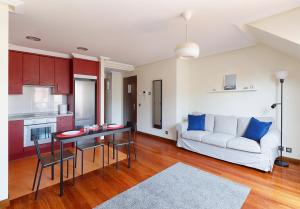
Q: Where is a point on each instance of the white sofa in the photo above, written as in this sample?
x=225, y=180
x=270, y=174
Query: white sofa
x=222, y=139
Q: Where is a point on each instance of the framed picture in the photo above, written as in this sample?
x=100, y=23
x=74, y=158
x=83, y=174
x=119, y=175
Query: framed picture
x=230, y=82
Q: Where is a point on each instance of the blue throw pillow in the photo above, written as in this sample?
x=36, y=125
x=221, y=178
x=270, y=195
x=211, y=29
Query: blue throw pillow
x=196, y=122
x=257, y=129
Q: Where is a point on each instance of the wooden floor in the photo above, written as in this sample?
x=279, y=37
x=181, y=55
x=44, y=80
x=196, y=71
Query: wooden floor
x=280, y=189
x=21, y=172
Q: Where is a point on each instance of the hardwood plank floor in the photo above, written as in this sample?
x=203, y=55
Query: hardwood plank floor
x=280, y=189
x=21, y=171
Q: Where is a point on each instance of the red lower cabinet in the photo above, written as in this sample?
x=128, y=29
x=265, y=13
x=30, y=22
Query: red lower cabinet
x=15, y=139
x=64, y=123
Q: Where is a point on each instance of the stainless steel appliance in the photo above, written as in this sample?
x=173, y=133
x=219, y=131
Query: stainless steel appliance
x=85, y=101
x=40, y=128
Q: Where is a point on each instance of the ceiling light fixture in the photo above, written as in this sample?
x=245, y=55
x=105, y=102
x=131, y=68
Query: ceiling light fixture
x=187, y=49
x=80, y=48
x=33, y=38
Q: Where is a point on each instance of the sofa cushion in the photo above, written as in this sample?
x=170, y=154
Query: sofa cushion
x=195, y=135
x=257, y=129
x=217, y=139
x=196, y=123
x=243, y=123
x=209, y=121
x=225, y=125
x=244, y=144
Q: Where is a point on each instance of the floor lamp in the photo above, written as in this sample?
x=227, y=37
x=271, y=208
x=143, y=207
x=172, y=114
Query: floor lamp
x=281, y=76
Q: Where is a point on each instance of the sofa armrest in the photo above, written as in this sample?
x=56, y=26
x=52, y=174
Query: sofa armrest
x=180, y=128
x=270, y=141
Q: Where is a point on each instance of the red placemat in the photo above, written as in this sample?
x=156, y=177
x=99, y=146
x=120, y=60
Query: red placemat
x=61, y=135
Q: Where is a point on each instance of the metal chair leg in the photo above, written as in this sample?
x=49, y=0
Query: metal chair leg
x=102, y=156
x=114, y=151
x=76, y=155
x=67, y=168
x=134, y=151
x=73, y=170
x=117, y=157
x=82, y=162
x=38, y=185
x=94, y=154
x=37, y=169
x=108, y=153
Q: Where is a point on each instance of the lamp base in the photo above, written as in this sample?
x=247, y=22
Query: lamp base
x=281, y=163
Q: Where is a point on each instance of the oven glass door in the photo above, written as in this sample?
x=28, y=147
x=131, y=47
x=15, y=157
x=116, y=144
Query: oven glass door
x=41, y=131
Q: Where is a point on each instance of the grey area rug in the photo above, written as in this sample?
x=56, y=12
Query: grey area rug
x=181, y=187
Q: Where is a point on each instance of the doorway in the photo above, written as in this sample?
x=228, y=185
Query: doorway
x=130, y=99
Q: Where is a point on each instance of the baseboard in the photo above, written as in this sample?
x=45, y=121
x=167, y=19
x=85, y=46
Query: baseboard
x=292, y=160
x=4, y=203
x=157, y=137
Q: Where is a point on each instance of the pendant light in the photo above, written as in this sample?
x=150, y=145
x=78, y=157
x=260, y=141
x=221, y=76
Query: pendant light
x=187, y=49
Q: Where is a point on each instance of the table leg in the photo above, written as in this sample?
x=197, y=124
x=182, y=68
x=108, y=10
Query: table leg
x=52, y=155
x=129, y=140
x=61, y=169
x=113, y=146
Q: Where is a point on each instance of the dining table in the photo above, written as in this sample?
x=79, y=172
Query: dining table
x=85, y=135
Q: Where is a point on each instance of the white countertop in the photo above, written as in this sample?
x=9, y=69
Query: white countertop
x=25, y=116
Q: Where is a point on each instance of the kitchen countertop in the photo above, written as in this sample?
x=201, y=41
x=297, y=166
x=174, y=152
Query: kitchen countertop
x=27, y=116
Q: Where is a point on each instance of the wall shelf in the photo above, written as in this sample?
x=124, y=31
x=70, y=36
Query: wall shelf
x=236, y=90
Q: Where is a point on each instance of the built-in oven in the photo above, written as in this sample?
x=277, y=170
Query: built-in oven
x=40, y=128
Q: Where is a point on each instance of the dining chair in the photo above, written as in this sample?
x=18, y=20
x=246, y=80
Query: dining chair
x=89, y=144
x=47, y=160
x=116, y=143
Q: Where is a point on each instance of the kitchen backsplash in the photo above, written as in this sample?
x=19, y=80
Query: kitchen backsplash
x=35, y=99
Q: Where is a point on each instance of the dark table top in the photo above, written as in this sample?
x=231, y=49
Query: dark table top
x=91, y=133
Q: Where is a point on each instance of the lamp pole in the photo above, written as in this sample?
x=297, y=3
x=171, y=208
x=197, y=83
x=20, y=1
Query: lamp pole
x=280, y=161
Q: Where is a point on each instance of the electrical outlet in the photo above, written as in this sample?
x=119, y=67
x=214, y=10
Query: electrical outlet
x=288, y=149
x=281, y=148
x=167, y=132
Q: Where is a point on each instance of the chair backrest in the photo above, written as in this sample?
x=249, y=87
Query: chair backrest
x=132, y=125
x=37, y=146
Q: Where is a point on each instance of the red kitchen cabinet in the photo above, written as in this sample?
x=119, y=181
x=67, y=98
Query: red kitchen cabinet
x=62, y=76
x=31, y=69
x=15, y=73
x=85, y=67
x=46, y=71
x=15, y=139
x=64, y=123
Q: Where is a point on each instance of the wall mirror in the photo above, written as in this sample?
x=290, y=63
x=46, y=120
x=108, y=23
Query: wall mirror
x=157, y=104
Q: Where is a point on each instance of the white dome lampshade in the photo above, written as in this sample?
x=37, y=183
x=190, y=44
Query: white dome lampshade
x=281, y=75
x=187, y=49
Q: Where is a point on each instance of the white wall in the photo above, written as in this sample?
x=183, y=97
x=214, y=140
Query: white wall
x=4, y=102
x=166, y=71
x=253, y=66
x=117, y=97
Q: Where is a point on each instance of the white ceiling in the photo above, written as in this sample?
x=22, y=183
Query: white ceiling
x=137, y=31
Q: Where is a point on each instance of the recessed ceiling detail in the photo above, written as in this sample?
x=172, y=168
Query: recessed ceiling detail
x=33, y=38
x=137, y=32
x=80, y=48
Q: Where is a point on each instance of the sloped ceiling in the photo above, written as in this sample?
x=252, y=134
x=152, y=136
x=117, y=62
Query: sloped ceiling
x=281, y=32
x=137, y=31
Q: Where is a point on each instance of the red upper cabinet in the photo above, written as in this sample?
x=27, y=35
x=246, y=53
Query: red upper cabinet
x=31, y=69
x=62, y=76
x=15, y=74
x=46, y=71
x=85, y=67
